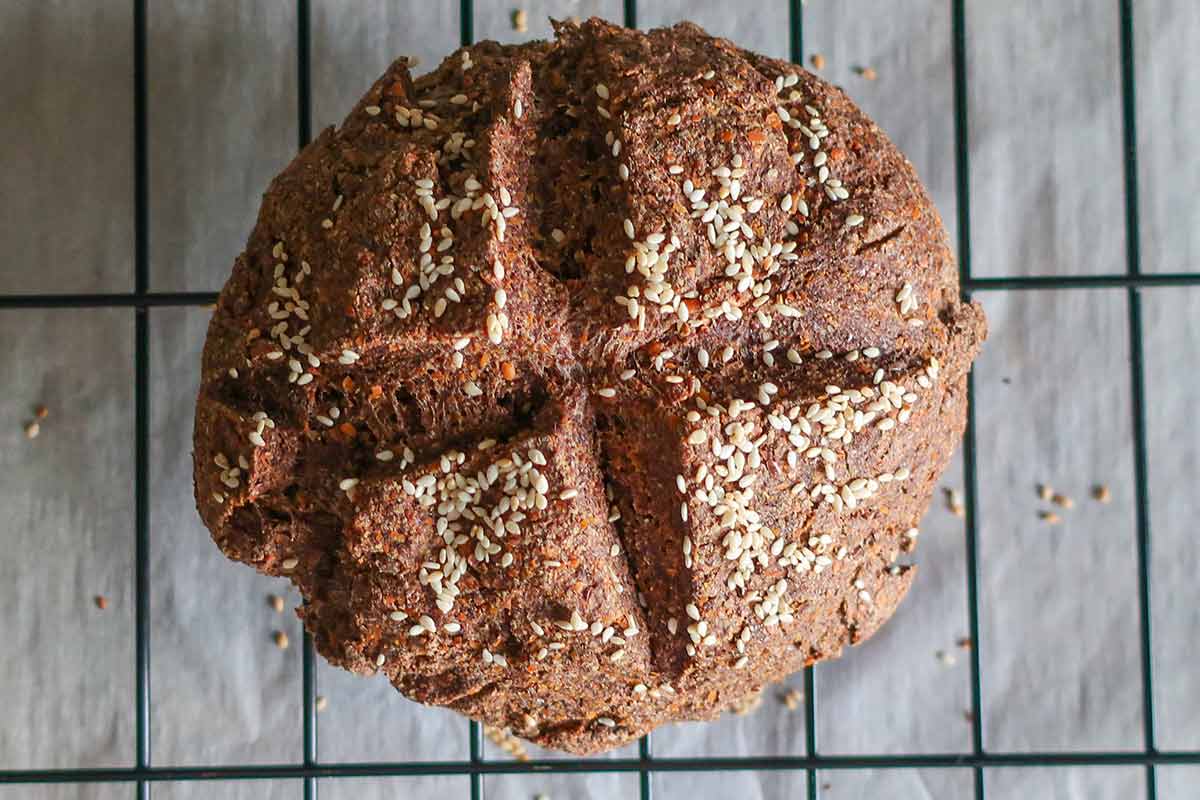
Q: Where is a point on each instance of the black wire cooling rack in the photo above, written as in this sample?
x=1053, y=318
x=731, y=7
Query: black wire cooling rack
x=143, y=775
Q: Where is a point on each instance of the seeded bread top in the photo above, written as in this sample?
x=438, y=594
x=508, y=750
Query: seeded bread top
x=589, y=384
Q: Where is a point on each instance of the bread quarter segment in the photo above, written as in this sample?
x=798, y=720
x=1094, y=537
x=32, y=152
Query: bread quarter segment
x=587, y=385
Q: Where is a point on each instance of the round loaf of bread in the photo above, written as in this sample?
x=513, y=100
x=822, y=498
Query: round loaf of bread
x=587, y=385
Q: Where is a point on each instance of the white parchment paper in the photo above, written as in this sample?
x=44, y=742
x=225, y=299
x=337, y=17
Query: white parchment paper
x=1058, y=604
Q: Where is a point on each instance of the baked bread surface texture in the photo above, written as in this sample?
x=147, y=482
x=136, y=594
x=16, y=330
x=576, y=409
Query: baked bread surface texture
x=588, y=385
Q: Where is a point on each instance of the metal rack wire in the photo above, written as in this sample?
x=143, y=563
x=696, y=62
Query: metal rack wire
x=142, y=775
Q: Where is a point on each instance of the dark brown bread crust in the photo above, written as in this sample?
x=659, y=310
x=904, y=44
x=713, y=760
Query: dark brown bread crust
x=476, y=470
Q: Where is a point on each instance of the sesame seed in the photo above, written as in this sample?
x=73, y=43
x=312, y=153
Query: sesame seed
x=568, y=494
x=373, y=110
x=607, y=392
x=347, y=484
x=495, y=329
x=518, y=110
x=674, y=119
x=628, y=225
x=602, y=91
x=397, y=616
x=290, y=563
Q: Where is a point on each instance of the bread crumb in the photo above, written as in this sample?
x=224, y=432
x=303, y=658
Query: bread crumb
x=520, y=20
x=1062, y=500
x=281, y=640
x=101, y=602
x=1101, y=493
x=964, y=642
x=41, y=412
x=1045, y=492
x=276, y=603
x=954, y=503
x=968, y=715
x=1049, y=517
x=792, y=698
x=817, y=60
x=322, y=703
x=867, y=73
x=747, y=704
x=947, y=659
x=32, y=429
x=503, y=738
